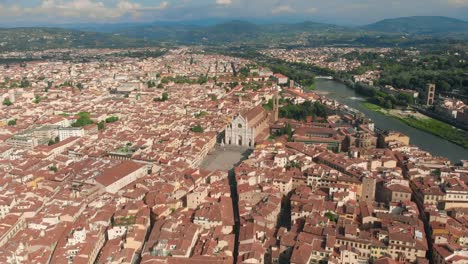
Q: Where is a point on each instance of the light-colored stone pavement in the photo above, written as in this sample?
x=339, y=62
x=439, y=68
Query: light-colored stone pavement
x=224, y=158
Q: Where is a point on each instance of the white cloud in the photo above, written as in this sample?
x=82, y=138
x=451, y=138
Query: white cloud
x=223, y=2
x=458, y=3
x=282, y=9
x=72, y=9
x=340, y=11
x=126, y=5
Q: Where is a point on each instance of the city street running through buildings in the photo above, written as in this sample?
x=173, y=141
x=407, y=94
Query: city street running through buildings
x=227, y=158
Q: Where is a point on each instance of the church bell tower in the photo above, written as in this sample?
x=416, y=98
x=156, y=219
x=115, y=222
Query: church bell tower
x=275, y=108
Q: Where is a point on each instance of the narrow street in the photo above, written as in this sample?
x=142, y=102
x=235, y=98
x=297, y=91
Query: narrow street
x=227, y=158
x=235, y=206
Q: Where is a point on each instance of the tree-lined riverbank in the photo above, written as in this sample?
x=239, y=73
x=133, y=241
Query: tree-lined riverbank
x=424, y=140
x=425, y=123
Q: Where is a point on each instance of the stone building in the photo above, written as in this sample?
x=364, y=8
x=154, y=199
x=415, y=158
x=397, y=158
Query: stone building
x=430, y=93
x=368, y=189
x=251, y=126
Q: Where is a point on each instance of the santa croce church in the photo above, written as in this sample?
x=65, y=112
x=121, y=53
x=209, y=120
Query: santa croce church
x=251, y=126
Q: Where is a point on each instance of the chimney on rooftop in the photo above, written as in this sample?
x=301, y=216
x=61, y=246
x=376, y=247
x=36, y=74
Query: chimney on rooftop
x=310, y=119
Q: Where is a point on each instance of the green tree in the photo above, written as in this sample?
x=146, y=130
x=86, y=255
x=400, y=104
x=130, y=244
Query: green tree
x=320, y=109
x=112, y=119
x=405, y=99
x=7, y=102
x=233, y=84
x=388, y=104
x=244, y=72
x=202, y=79
x=331, y=216
x=165, y=80
x=151, y=84
x=84, y=119
x=53, y=141
x=268, y=106
x=286, y=130
x=37, y=99
x=101, y=125
x=197, y=129
x=302, y=111
x=165, y=96
x=443, y=85
x=12, y=122
x=49, y=85
x=53, y=168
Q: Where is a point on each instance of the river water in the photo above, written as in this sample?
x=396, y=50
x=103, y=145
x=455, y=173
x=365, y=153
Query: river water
x=425, y=141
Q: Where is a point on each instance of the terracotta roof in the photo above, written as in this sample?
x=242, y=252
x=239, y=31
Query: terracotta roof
x=117, y=172
x=253, y=113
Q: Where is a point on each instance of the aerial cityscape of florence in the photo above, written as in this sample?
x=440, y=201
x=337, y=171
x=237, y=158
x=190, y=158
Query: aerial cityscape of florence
x=234, y=131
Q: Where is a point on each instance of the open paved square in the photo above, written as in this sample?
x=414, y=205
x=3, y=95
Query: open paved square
x=224, y=158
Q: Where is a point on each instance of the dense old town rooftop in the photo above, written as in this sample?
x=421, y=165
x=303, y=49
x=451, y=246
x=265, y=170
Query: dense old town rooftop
x=102, y=162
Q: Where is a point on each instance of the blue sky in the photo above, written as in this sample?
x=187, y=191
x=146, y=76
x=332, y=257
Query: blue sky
x=332, y=11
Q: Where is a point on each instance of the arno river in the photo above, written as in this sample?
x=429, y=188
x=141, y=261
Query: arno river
x=425, y=141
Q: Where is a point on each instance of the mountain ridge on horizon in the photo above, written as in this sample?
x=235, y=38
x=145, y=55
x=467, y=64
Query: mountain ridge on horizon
x=388, y=32
x=216, y=21
x=419, y=25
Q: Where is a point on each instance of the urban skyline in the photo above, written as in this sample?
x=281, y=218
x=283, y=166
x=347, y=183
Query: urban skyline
x=190, y=141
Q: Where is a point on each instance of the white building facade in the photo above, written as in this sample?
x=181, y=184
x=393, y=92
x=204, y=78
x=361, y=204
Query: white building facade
x=239, y=133
x=68, y=132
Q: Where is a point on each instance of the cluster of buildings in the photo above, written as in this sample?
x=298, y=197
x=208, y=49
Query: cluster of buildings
x=368, y=77
x=72, y=54
x=94, y=169
x=101, y=162
x=124, y=90
x=325, y=57
x=388, y=89
x=445, y=108
x=307, y=200
x=453, y=109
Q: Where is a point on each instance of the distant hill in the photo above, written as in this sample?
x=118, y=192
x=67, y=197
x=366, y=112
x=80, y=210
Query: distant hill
x=52, y=38
x=389, y=32
x=232, y=32
x=420, y=25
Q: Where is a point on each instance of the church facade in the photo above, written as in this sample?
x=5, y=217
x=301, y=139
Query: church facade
x=249, y=127
x=240, y=133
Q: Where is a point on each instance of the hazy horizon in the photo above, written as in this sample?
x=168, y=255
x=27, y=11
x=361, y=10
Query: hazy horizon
x=340, y=12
